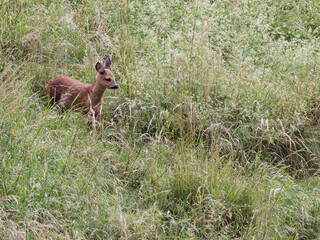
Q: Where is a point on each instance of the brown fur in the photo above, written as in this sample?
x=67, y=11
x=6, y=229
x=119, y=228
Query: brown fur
x=68, y=92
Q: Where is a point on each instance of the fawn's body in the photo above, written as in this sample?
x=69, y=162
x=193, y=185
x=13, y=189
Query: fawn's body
x=88, y=98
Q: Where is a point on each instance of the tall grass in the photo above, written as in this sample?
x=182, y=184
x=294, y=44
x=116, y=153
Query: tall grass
x=212, y=135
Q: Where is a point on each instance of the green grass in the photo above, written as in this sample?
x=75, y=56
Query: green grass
x=213, y=133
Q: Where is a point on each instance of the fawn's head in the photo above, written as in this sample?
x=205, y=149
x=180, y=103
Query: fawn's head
x=105, y=77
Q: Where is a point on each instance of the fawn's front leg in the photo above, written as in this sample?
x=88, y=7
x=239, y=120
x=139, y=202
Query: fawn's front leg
x=99, y=118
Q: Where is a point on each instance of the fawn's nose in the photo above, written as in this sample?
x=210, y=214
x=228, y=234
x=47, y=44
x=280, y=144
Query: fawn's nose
x=115, y=87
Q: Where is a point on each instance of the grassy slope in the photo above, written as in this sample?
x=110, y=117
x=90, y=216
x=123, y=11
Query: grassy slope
x=212, y=134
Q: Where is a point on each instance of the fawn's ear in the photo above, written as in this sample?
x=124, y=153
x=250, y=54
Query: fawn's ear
x=107, y=62
x=99, y=68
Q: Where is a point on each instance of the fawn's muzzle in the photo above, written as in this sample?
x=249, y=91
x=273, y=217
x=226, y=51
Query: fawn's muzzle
x=115, y=87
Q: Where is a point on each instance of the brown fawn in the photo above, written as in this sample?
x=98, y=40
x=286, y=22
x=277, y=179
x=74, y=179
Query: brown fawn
x=68, y=92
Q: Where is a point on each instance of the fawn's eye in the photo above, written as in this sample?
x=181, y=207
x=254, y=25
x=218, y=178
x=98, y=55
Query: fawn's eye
x=108, y=79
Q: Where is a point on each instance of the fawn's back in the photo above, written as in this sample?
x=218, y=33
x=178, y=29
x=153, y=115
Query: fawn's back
x=68, y=92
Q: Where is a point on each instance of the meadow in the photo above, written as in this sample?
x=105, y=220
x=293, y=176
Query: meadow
x=213, y=134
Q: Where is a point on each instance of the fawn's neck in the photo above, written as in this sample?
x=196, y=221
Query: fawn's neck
x=96, y=93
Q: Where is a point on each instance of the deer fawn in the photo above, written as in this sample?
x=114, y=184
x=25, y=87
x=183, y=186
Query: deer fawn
x=68, y=92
